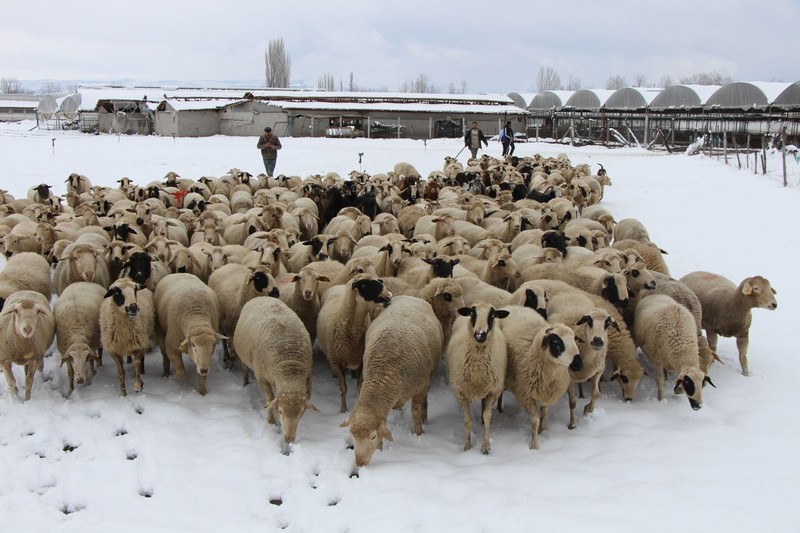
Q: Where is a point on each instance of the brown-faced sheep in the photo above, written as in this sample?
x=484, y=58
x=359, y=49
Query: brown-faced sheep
x=726, y=307
x=302, y=297
x=402, y=349
x=77, y=315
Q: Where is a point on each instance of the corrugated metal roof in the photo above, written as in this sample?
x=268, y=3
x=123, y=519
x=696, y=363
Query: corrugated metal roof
x=790, y=97
x=632, y=98
x=746, y=95
x=589, y=98
x=550, y=99
x=683, y=96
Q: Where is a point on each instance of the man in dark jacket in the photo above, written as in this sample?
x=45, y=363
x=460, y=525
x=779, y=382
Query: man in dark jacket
x=507, y=138
x=269, y=145
x=473, y=139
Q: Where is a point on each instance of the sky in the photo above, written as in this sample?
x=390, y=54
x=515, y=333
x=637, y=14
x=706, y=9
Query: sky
x=493, y=47
x=167, y=459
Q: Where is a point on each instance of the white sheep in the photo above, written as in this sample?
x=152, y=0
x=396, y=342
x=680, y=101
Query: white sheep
x=25, y=271
x=540, y=356
x=302, y=297
x=666, y=333
x=445, y=296
x=440, y=226
x=476, y=364
x=612, y=287
x=402, y=349
x=652, y=255
x=188, y=320
x=726, y=307
x=342, y=324
x=81, y=262
x=271, y=341
x=127, y=324
x=77, y=315
x=631, y=228
x=235, y=285
x=27, y=328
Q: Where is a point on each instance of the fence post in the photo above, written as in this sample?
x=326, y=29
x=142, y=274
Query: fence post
x=783, y=153
x=725, y=145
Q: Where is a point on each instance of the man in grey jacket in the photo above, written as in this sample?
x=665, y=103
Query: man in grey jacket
x=269, y=145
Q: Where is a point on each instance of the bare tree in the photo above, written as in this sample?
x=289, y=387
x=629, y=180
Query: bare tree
x=12, y=86
x=616, y=82
x=50, y=87
x=326, y=82
x=461, y=89
x=278, y=64
x=706, y=78
x=666, y=81
x=640, y=80
x=547, y=79
x=352, y=86
x=421, y=85
x=574, y=84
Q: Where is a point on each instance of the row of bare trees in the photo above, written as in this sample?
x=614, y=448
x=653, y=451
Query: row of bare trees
x=548, y=79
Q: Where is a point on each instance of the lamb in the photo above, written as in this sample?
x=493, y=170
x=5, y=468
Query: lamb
x=342, y=324
x=127, y=324
x=666, y=333
x=188, y=318
x=476, y=364
x=25, y=271
x=234, y=286
x=302, y=297
x=81, y=262
x=726, y=307
x=540, y=357
x=402, y=349
x=77, y=316
x=271, y=341
x=590, y=324
x=27, y=328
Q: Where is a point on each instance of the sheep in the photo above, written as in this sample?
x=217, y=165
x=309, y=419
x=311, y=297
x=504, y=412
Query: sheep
x=440, y=226
x=407, y=170
x=342, y=323
x=649, y=252
x=25, y=271
x=77, y=316
x=666, y=333
x=540, y=357
x=302, y=297
x=144, y=269
x=445, y=297
x=80, y=262
x=127, y=324
x=631, y=228
x=340, y=274
x=188, y=318
x=307, y=220
x=303, y=253
x=402, y=349
x=455, y=245
x=27, y=328
x=726, y=307
x=271, y=341
x=472, y=233
x=476, y=364
x=418, y=272
x=612, y=287
x=475, y=290
x=528, y=255
x=40, y=193
x=499, y=270
x=386, y=258
x=590, y=324
x=235, y=285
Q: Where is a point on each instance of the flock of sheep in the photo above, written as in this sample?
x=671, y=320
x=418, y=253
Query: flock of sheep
x=509, y=271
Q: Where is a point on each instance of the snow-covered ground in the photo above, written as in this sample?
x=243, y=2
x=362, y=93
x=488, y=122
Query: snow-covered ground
x=167, y=459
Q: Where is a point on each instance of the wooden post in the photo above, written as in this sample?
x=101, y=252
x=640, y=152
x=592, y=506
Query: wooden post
x=398, y=127
x=763, y=156
x=736, y=148
x=783, y=153
x=725, y=145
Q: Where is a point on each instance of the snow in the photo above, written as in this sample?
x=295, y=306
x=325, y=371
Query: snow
x=167, y=459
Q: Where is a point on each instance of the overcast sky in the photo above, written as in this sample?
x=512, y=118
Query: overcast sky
x=494, y=47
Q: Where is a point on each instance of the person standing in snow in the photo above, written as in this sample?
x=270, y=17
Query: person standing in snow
x=507, y=138
x=473, y=139
x=269, y=145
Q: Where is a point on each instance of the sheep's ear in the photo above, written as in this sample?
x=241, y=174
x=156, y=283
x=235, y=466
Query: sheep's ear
x=311, y=406
x=323, y=278
x=465, y=311
x=110, y=293
x=708, y=380
x=454, y=262
x=678, y=386
x=546, y=337
x=611, y=322
x=64, y=358
x=501, y=313
x=184, y=345
x=747, y=289
x=384, y=432
x=583, y=320
x=346, y=423
x=773, y=290
x=273, y=404
x=296, y=278
x=221, y=337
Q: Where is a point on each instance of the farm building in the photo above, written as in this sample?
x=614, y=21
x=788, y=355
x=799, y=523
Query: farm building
x=16, y=107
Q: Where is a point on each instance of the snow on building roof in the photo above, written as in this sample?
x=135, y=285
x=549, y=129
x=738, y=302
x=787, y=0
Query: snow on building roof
x=550, y=99
x=589, y=98
x=20, y=104
x=747, y=94
x=632, y=98
x=397, y=107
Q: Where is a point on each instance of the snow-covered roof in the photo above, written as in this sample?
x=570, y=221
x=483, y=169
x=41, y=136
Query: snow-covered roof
x=550, y=99
x=589, y=98
x=790, y=97
x=747, y=94
x=632, y=97
x=20, y=104
x=399, y=107
x=683, y=96
x=179, y=104
x=522, y=100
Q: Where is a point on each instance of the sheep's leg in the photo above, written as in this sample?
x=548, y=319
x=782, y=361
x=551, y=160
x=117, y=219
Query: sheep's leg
x=70, y=378
x=580, y=390
x=660, y=382
x=467, y=422
x=589, y=407
x=245, y=376
x=138, y=368
x=742, y=343
x=164, y=358
x=176, y=359
x=100, y=356
x=542, y=418
x=339, y=373
x=418, y=412
x=227, y=357
x=487, y=422
x=573, y=402
x=267, y=389
x=30, y=371
x=120, y=374
x=712, y=340
x=534, y=413
x=500, y=403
